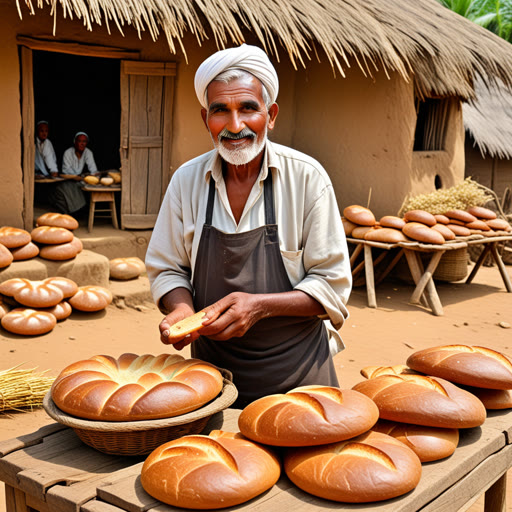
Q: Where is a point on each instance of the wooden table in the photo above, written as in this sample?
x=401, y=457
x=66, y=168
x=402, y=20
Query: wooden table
x=425, y=291
x=51, y=470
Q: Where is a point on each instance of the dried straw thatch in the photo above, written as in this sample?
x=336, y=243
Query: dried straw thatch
x=488, y=118
x=417, y=38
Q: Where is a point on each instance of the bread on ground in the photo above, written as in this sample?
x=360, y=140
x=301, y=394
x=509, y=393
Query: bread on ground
x=10, y=286
x=472, y=366
x=428, y=443
x=68, y=286
x=126, y=268
x=13, y=237
x=61, y=311
x=28, y=322
x=38, y=294
x=422, y=400
x=481, y=213
x=135, y=387
x=6, y=256
x=359, y=215
x=307, y=416
x=25, y=252
x=423, y=233
x=367, y=468
x=58, y=220
x=51, y=235
x=91, y=298
x=220, y=470
x=420, y=216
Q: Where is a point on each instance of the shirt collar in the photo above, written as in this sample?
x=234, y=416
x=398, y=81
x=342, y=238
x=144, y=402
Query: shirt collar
x=270, y=161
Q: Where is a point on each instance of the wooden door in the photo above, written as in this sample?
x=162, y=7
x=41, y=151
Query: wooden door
x=146, y=119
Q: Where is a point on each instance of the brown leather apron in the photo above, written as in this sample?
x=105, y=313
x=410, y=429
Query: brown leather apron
x=276, y=354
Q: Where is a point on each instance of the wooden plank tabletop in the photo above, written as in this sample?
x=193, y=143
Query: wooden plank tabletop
x=54, y=466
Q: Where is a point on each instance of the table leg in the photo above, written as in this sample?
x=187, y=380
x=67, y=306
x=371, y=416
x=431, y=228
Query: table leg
x=355, y=254
x=368, y=269
x=390, y=267
x=92, y=206
x=495, y=496
x=478, y=263
x=427, y=275
x=501, y=266
x=15, y=500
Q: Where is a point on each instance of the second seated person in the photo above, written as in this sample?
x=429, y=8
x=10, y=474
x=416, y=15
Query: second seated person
x=77, y=160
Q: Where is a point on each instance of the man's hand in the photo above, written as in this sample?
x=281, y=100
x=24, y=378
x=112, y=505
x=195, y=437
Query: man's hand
x=232, y=316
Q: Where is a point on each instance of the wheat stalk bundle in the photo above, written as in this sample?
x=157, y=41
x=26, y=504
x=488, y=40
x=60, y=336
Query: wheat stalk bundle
x=22, y=389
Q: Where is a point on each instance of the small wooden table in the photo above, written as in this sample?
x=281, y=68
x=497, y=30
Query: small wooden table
x=51, y=470
x=102, y=194
x=425, y=290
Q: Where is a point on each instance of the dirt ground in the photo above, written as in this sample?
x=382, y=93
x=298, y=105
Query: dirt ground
x=383, y=336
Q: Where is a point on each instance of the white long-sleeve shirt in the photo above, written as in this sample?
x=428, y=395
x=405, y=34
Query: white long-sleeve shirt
x=311, y=235
x=71, y=164
x=45, y=158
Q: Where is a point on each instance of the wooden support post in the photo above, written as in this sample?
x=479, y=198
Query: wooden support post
x=368, y=268
x=478, y=263
x=426, y=277
x=355, y=254
x=501, y=266
x=495, y=496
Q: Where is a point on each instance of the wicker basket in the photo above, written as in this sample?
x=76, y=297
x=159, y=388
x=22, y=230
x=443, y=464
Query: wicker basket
x=142, y=437
x=453, y=266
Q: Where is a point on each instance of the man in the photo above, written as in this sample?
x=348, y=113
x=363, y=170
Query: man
x=251, y=233
x=45, y=158
x=77, y=157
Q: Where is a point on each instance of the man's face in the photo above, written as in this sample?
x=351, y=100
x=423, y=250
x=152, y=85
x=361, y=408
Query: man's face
x=81, y=143
x=237, y=119
x=42, y=132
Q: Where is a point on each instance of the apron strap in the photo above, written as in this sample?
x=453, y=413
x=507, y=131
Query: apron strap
x=270, y=217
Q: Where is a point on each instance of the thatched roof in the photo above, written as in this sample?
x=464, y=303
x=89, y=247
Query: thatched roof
x=488, y=118
x=442, y=50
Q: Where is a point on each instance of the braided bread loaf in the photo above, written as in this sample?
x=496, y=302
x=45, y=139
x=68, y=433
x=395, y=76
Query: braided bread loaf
x=370, y=467
x=205, y=472
x=472, y=366
x=135, y=387
x=307, y=416
x=423, y=400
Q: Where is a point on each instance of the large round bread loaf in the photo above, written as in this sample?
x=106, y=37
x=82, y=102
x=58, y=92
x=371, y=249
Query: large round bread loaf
x=38, y=294
x=359, y=215
x=91, y=298
x=428, y=443
x=58, y=220
x=307, y=416
x=370, y=467
x=420, y=216
x=422, y=233
x=472, y=366
x=423, y=400
x=13, y=237
x=126, y=268
x=220, y=470
x=51, y=235
x=68, y=286
x=28, y=322
x=135, y=387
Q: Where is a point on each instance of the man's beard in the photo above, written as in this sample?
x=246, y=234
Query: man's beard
x=240, y=156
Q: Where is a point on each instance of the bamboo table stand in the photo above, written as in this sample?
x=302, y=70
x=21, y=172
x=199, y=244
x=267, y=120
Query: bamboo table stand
x=51, y=470
x=102, y=194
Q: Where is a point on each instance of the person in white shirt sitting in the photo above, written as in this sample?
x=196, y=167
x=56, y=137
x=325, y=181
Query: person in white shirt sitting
x=77, y=157
x=45, y=158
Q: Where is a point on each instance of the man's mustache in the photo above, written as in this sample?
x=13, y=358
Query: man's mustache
x=226, y=134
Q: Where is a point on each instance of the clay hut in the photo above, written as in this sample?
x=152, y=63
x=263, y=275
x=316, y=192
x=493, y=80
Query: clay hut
x=488, y=123
x=372, y=89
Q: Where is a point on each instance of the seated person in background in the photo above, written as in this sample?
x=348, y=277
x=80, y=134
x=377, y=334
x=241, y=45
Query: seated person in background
x=79, y=156
x=69, y=197
x=45, y=158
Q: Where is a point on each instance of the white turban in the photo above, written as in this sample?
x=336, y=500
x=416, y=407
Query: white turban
x=245, y=57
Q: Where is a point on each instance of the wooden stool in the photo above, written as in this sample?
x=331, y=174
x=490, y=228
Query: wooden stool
x=102, y=197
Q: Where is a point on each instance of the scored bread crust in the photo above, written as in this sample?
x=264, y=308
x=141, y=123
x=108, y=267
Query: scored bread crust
x=58, y=220
x=428, y=443
x=28, y=322
x=135, y=387
x=422, y=400
x=220, y=470
x=469, y=365
x=370, y=467
x=307, y=416
x=51, y=235
x=371, y=372
x=91, y=298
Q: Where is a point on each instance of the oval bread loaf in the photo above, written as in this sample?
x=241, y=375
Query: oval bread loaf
x=51, y=235
x=6, y=256
x=447, y=233
x=367, y=468
x=61, y=252
x=478, y=224
x=423, y=400
x=481, y=213
x=38, y=294
x=359, y=215
x=220, y=470
x=422, y=233
x=135, y=387
x=359, y=232
x=441, y=219
x=461, y=215
x=496, y=224
x=58, y=220
x=68, y=286
x=387, y=235
x=348, y=226
x=459, y=230
x=307, y=416
x=13, y=237
x=420, y=216
x=91, y=298
x=61, y=311
x=428, y=443
x=26, y=252
x=126, y=268
x=390, y=221
x=472, y=366
x=28, y=322
x=492, y=398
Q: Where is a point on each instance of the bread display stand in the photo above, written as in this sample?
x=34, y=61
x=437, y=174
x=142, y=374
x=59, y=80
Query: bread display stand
x=52, y=470
x=425, y=291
